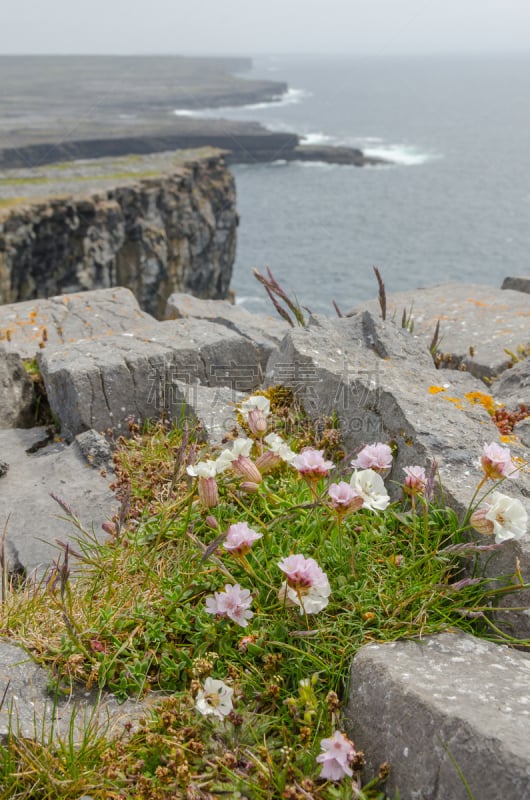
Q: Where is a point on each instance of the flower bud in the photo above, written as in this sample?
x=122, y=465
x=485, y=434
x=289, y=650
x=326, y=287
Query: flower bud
x=480, y=522
x=256, y=422
x=249, y=487
x=246, y=468
x=212, y=522
x=110, y=528
x=267, y=461
x=208, y=492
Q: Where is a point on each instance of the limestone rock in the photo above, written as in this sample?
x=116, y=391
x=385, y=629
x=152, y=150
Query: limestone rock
x=17, y=398
x=513, y=386
x=435, y=706
x=99, y=383
x=265, y=331
x=37, y=324
x=477, y=323
x=521, y=284
x=38, y=466
x=94, y=448
x=31, y=710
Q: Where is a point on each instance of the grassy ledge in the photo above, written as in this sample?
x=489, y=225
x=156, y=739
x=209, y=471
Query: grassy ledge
x=252, y=679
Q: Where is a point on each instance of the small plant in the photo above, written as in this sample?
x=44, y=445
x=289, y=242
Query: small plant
x=243, y=582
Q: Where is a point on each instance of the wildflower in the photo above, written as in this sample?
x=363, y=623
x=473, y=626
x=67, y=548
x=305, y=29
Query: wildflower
x=415, y=480
x=255, y=411
x=376, y=456
x=337, y=754
x=206, y=471
x=238, y=459
x=497, y=462
x=234, y=603
x=307, y=586
x=280, y=447
x=370, y=486
x=311, y=463
x=249, y=487
x=504, y=516
x=344, y=498
x=215, y=699
x=240, y=538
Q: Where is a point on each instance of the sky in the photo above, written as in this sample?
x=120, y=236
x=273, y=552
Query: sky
x=247, y=27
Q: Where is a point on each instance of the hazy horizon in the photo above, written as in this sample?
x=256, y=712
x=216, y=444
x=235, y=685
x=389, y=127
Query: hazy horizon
x=278, y=27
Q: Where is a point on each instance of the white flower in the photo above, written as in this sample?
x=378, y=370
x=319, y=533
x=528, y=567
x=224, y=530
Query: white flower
x=203, y=469
x=307, y=586
x=370, y=486
x=508, y=516
x=234, y=603
x=215, y=699
x=258, y=402
x=240, y=447
x=281, y=448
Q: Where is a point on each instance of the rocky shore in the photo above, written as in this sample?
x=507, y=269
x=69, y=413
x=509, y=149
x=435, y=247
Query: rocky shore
x=94, y=107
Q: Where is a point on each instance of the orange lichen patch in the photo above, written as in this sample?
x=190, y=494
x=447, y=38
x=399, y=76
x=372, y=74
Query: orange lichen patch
x=509, y=439
x=477, y=302
x=436, y=389
x=456, y=400
x=483, y=399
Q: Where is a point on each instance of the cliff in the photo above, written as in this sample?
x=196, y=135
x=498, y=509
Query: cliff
x=156, y=225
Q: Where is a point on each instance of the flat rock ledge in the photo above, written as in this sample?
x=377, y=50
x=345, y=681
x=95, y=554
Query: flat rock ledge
x=444, y=711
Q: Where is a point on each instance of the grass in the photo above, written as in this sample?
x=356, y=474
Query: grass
x=131, y=618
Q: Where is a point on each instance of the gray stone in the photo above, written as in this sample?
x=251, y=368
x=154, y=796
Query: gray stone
x=94, y=448
x=438, y=706
x=36, y=522
x=521, y=284
x=32, y=711
x=17, y=397
x=34, y=325
x=265, y=331
x=99, y=383
x=477, y=323
x=383, y=386
x=212, y=408
x=513, y=386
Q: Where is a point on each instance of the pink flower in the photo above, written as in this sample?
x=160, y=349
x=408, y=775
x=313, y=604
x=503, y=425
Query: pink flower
x=497, y=462
x=311, y=463
x=255, y=411
x=415, y=480
x=234, y=603
x=374, y=456
x=307, y=586
x=344, y=498
x=337, y=754
x=240, y=538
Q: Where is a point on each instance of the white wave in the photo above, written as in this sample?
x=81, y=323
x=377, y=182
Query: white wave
x=316, y=138
x=288, y=98
x=405, y=155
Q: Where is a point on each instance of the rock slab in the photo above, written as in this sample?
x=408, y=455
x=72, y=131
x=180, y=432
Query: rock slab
x=445, y=704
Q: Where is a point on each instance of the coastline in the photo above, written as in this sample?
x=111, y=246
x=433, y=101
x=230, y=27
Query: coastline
x=117, y=106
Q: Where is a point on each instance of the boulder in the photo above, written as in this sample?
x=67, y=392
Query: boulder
x=477, y=323
x=35, y=522
x=30, y=710
x=445, y=711
x=521, y=284
x=513, y=387
x=98, y=383
x=17, y=397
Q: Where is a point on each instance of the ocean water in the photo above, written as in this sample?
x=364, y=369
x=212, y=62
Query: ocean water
x=455, y=205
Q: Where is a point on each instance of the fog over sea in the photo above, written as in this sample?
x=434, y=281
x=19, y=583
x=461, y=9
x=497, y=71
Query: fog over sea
x=454, y=207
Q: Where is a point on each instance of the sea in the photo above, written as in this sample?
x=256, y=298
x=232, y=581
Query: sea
x=453, y=204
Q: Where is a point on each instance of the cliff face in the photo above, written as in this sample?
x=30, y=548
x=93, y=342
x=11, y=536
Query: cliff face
x=157, y=235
